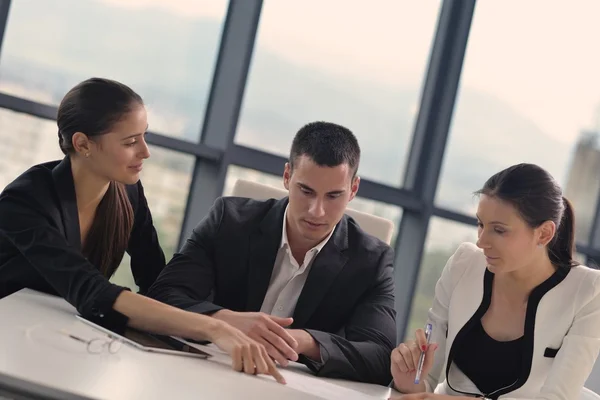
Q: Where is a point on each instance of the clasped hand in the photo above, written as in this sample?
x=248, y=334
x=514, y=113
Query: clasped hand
x=267, y=330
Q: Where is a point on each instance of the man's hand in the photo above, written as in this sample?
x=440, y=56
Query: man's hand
x=306, y=344
x=267, y=330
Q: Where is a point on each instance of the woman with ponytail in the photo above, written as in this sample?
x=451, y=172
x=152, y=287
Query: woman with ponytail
x=65, y=225
x=514, y=317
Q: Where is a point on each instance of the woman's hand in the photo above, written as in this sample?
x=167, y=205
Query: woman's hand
x=405, y=360
x=247, y=355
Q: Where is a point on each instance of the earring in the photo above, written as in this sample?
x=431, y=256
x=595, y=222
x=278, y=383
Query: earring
x=87, y=154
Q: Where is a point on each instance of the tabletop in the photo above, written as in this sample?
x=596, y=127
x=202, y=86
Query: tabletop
x=37, y=358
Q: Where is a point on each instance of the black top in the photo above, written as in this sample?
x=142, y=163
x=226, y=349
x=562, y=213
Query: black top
x=346, y=304
x=40, y=243
x=526, y=342
x=488, y=363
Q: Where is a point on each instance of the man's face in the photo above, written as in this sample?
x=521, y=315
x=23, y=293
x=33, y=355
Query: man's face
x=318, y=196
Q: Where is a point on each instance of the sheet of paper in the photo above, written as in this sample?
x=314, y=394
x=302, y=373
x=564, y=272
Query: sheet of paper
x=321, y=388
x=299, y=378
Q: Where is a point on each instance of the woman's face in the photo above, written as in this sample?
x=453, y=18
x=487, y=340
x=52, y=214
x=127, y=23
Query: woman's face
x=119, y=154
x=508, y=242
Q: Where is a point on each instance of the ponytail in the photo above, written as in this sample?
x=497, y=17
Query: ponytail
x=93, y=107
x=108, y=238
x=562, y=247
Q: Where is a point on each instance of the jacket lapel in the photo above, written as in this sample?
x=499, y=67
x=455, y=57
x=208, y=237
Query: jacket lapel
x=327, y=265
x=65, y=190
x=264, y=245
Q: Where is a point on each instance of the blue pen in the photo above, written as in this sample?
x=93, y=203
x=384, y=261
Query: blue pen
x=428, y=329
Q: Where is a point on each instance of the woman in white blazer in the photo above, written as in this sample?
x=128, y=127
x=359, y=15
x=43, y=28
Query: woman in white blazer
x=513, y=317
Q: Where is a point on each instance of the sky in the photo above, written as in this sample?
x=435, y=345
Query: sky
x=539, y=57
x=536, y=55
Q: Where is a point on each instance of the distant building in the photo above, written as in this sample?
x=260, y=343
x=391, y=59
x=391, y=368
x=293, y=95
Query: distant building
x=583, y=182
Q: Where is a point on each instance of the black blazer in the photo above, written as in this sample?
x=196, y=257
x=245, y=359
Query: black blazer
x=347, y=303
x=40, y=243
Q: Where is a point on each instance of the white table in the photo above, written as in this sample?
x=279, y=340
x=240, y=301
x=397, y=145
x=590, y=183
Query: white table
x=37, y=358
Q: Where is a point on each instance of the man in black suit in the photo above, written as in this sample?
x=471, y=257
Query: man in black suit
x=296, y=274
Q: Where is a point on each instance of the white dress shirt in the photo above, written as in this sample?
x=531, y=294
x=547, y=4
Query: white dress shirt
x=288, y=278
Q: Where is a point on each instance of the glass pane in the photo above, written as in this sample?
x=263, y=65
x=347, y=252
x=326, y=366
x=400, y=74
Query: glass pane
x=587, y=261
x=165, y=50
x=26, y=141
x=580, y=258
x=360, y=64
x=166, y=178
x=123, y=275
x=528, y=95
x=384, y=210
x=380, y=209
x=592, y=263
x=443, y=238
x=235, y=172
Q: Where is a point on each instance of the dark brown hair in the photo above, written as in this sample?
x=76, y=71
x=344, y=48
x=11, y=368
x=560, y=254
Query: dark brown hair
x=538, y=198
x=93, y=107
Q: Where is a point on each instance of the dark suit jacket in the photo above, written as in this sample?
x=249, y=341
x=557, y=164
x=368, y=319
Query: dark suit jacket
x=40, y=243
x=347, y=303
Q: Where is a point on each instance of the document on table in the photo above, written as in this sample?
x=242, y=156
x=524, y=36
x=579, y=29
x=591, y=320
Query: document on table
x=320, y=388
x=303, y=382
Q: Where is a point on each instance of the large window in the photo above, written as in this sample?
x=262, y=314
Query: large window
x=165, y=50
x=529, y=93
x=355, y=63
x=443, y=239
x=526, y=95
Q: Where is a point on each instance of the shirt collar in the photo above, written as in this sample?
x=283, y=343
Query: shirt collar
x=284, y=236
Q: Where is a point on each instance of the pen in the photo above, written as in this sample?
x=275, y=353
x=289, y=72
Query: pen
x=428, y=328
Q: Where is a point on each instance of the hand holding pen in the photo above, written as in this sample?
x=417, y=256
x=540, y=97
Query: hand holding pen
x=423, y=352
x=412, y=361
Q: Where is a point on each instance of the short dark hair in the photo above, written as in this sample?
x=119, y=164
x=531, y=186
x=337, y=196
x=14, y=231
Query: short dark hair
x=93, y=107
x=326, y=144
x=538, y=198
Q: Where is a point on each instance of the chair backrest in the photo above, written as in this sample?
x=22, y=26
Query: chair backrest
x=379, y=227
x=587, y=394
